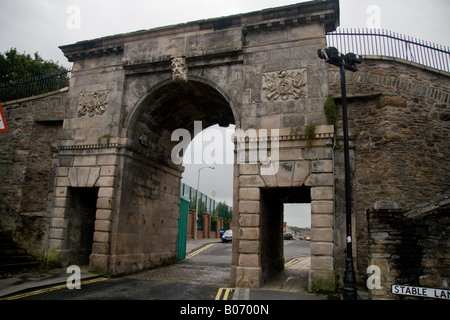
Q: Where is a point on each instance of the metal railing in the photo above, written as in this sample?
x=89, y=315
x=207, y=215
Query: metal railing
x=380, y=42
x=34, y=86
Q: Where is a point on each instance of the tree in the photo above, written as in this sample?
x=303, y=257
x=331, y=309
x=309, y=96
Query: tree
x=22, y=76
x=223, y=211
x=17, y=66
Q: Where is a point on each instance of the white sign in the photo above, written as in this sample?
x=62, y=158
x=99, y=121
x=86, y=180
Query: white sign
x=3, y=126
x=421, y=292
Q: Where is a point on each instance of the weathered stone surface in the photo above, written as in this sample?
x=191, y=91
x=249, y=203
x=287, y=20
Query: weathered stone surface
x=322, y=193
x=322, y=248
x=409, y=248
x=322, y=262
x=249, y=220
x=322, y=234
x=257, y=70
x=249, y=260
x=399, y=142
x=247, y=233
x=322, y=220
x=249, y=193
x=246, y=206
x=321, y=281
x=248, y=246
x=249, y=277
x=318, y=207
x=301, y=171
x=322, y=166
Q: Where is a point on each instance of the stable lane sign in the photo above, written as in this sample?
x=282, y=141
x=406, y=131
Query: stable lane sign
x=3, y=126
x=421, y=292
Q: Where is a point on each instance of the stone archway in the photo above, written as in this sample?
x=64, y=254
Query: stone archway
x=145, y=228
x=129, y=92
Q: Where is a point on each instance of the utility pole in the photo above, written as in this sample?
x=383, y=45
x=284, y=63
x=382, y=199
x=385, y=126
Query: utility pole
x=196, y=198
x=349, y=61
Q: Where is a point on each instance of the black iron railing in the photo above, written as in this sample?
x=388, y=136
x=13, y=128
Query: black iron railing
x=34, y=86
x=379, y=42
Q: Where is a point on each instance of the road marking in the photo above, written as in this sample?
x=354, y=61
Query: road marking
x=241, y=294
x=33, y=293
x=199, y=250
x=225, y=291
x=294, y=261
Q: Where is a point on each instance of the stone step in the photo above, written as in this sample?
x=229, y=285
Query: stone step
x=12, y=257
x=12, y=251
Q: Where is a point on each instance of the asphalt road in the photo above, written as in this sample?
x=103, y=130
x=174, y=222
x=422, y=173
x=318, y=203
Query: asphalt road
x=197, y=278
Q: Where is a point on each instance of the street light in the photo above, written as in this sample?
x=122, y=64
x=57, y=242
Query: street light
x=196, y=205
x=333, y=56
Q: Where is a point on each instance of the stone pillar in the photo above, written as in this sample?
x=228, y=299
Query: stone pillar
x=191, y=224
x=206, y=225
x=249, y=271
x=322, y=275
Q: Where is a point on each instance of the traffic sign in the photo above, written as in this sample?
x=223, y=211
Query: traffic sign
x=421, y=292
x=3, y=126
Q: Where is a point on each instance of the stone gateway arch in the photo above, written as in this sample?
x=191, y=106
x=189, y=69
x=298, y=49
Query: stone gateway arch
x=116, y=197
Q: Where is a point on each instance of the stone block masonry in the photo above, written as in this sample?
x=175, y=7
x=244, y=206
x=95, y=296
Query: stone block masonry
x=398, y=117
x=27, y=167
x=108, y=141
x=410, y=247
x=96, y=171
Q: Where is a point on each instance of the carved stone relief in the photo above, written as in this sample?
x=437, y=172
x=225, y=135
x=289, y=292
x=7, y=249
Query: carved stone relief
x=179, y=69
x=285, y=85
x=92, y=103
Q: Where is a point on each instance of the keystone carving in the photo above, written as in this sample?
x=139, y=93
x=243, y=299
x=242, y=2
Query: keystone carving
x=179, y=69
x=285, y=85
x=92, y=103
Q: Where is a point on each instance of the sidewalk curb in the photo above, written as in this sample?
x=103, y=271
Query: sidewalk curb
x=11, y=291
x=200, y=246
x=58, y=279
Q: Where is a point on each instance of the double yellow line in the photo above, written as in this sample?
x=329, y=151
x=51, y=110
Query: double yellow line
x=294, y=261
x=225, y=291
x=199, y=250
x=33, y=293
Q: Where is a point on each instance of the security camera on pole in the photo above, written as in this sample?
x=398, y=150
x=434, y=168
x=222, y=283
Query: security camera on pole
x=333, y=56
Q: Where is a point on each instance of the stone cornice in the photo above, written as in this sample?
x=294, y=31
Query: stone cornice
x=327, y=17
x=326, y=12
x=74, y=52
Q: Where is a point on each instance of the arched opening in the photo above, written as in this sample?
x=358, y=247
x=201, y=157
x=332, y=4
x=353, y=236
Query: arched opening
x=176, y=105
x=147, y=225
x=209, y=166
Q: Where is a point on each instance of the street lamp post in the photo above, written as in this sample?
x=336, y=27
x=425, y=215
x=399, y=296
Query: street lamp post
x=196, y=198
x=349, y=61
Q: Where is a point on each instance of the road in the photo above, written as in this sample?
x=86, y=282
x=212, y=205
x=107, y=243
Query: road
x=199, y=277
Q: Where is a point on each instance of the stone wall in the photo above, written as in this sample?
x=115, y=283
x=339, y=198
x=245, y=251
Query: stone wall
x=27, y=157
x=399, y=127
x=410, y=248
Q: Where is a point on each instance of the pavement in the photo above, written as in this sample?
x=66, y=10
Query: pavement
x=42, y=277
x=289, y=284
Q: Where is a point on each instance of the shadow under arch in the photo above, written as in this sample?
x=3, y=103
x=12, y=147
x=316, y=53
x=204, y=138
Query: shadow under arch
x=174, y=105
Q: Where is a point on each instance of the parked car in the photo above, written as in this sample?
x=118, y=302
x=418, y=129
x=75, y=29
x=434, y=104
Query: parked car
x=227, y=236
x=287, y=236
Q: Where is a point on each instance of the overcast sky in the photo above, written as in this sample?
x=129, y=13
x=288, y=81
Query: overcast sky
x=43, y=25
